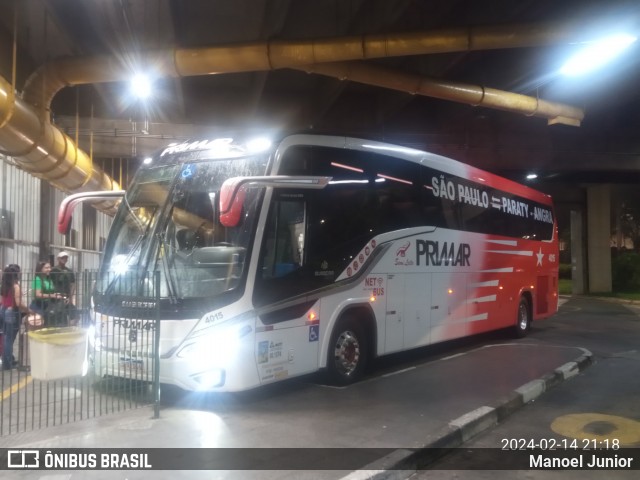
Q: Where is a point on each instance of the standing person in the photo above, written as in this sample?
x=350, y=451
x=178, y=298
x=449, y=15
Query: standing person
x=44, y=292
x=63, y=279
x=12, y=308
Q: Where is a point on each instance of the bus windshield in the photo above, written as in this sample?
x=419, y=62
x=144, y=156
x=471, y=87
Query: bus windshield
x=168, y=223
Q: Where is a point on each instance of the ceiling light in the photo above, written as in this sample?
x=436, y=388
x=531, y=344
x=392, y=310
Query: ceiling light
x=389, y=177
x=596, y=54
x=532, y=176
x=347, y=167
x=141, y=86
x=258, y=144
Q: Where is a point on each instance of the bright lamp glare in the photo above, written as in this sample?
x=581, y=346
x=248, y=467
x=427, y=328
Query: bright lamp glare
x=531, y=176
x=258, y=144
x=141, y=86
x=596, y=54
x=120, y=264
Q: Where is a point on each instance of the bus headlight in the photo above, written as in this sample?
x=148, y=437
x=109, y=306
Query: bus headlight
x=210, y=379
x=214, y=349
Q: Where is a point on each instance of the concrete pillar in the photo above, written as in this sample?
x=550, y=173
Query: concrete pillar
x=577, y=254
x=598, y=237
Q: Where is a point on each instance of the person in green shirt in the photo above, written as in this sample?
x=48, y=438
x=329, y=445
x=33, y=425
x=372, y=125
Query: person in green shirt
x=45, y=296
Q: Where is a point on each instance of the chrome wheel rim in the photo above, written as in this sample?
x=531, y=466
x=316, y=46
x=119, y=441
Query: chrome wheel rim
x=347, y=353
x=523, y=317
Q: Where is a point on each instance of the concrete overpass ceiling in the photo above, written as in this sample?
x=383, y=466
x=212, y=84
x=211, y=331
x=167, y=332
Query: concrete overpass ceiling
x=605, y=146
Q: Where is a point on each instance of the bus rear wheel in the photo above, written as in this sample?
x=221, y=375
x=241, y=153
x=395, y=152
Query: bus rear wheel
x=347, y=355
x=523, y=320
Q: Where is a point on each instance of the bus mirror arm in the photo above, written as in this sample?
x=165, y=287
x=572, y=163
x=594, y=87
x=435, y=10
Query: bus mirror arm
x=233, y=191
x=65, y=212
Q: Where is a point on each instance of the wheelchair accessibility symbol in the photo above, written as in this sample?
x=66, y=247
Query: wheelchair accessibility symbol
x=187, y=171
x=314, y=333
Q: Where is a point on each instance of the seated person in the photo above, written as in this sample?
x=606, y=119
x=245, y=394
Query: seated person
x=47, y=302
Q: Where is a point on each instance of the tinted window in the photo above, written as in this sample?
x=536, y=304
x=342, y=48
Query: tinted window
x=313, y=235
x=401, y=194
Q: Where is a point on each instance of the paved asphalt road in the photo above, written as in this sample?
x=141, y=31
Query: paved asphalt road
x=405, y=402
x=601, y=404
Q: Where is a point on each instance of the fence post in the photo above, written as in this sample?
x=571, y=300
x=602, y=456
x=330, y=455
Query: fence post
x=156, y=356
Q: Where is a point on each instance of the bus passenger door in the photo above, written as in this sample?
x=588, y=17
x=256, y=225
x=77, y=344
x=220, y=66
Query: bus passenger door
x=448, y=306
x=407, y=318
x=394, y=328
x=417, y=298
x=287, y=338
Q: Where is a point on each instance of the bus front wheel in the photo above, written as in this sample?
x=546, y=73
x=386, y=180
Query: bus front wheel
x=347, y=355
x=523, y=321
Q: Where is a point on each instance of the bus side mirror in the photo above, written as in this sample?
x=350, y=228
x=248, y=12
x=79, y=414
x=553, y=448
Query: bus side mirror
x=234, y=191
x=69, y=204
x=67, y=230
x=232, y=195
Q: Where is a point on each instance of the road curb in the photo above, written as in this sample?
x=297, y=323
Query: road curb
x=622, y=301
x=402, y=463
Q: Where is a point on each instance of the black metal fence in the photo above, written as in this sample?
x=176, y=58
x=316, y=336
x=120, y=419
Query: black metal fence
x=76, y=360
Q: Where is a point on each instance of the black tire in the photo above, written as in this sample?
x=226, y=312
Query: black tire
x=523, y=318
x=348, y=352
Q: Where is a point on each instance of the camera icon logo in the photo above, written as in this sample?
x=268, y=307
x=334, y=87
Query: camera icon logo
x=23, y=459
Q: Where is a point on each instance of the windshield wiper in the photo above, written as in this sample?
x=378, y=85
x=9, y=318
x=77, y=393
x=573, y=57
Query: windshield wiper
x=116, y=276
x=137, y=246
x=163, y=252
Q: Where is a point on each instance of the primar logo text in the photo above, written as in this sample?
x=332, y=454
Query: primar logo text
x=447, y=254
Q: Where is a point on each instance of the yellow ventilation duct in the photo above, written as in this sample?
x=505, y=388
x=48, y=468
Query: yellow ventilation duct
x=43, y=150
x=42, y=86
x=39, y=147
x=457, y=92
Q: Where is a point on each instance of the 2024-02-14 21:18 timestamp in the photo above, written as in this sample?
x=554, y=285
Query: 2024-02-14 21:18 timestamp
x=559, y=444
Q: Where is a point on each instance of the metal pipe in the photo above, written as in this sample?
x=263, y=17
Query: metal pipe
x=40, y=148
x=457, y=92
x=45, y=82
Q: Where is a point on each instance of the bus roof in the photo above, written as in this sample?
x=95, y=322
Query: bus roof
x=235, y=146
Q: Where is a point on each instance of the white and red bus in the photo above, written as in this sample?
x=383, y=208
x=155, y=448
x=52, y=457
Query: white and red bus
x=318, y=252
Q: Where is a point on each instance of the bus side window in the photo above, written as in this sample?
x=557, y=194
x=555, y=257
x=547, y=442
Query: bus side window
x=285, y=238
